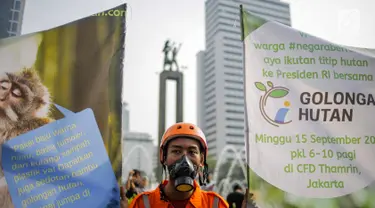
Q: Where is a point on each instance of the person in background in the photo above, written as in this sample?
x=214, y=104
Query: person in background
x=123, y=200
x=183, y=150
x=210, y=183
x=236, y=198
x=144, y=182
x=136, y=184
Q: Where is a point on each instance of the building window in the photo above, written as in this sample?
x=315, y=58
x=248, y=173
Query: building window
x=210, y=134
x=211, y=126
x=208, y=120
x=235, y=135
x=235, y=143
x=234, y=104
x=235, y=119
x=210, y=112
x=234, y=81
x=233, y=89
x=233, y=46
x=232, y=53
x=233, y=74
x=212, y=103
x=10, y=15
x=16, y=16
x=17, y=5
x=235, y=112
x=233, y=39
x=235, y=127
x=234, y=96
x=233, y=60
x=210, y=98
x=233, y=67
x=14, y=27
x=10, y=26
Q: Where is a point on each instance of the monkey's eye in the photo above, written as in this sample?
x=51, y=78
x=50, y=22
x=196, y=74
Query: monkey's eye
x=5, y=85
x=17, y=92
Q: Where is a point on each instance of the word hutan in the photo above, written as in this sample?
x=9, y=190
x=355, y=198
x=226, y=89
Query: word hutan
x=300, y=60
x=39, y=183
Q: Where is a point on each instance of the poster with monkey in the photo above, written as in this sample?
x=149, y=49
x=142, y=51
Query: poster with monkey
x=79, y=66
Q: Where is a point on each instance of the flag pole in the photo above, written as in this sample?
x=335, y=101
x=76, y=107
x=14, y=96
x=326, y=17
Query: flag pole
x=246, y=126
x=242, y=25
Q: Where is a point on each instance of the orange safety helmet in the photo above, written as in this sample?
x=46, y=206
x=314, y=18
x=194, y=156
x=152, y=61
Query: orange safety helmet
x=182, y=130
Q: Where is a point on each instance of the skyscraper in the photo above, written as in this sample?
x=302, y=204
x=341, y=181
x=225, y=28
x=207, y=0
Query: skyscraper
x=220, y=69
x=11, y=15
x=125, y=117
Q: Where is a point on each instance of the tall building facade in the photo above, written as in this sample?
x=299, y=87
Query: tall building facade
x=11, y=15
x=220, y=96
x=125, y=117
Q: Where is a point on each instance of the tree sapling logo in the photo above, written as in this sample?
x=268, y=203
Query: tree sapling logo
x=275, y=92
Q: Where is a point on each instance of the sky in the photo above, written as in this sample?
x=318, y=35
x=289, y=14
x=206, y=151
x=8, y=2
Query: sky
x=149, y=24
x=346, y=22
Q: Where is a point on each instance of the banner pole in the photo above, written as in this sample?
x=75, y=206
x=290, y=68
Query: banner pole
x=246, y=126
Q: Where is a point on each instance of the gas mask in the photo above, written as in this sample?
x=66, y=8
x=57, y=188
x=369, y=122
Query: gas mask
x=183, y=172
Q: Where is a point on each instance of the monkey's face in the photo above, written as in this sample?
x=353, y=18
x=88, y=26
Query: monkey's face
x=22, y=96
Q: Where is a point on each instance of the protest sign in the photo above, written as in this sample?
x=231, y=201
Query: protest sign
x=59, y=164
x=310, y=107
x=77, y=65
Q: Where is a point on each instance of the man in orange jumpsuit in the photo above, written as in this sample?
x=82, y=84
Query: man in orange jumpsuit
x=183, y=152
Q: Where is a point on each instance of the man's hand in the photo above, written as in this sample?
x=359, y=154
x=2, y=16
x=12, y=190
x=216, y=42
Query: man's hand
x=129, y=183
x=123, y=199
x=131, y=173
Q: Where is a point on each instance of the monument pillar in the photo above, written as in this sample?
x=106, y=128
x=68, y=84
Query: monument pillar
x=166, y=75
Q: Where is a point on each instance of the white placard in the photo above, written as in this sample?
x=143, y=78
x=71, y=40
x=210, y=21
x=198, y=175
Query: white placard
x=311, y=110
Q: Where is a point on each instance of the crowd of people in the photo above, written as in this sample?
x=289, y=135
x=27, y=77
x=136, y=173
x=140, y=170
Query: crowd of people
x=183, y=153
